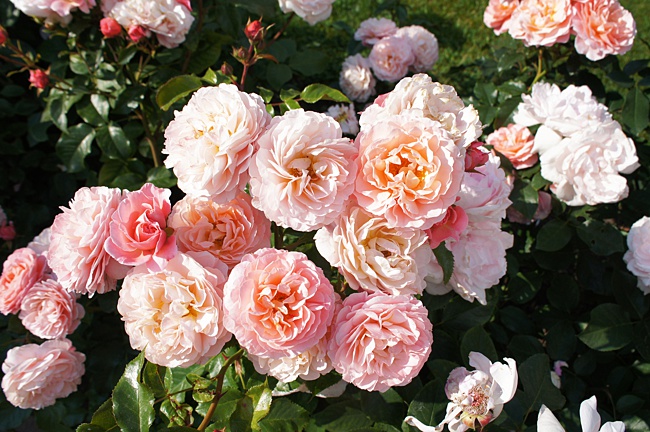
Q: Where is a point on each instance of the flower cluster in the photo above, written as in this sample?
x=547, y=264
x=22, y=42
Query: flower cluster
x=601, y=27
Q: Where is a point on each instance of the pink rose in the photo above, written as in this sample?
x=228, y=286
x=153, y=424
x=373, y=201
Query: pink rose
x=50, y=312
x=7, y=231
x=41, y=243
x=37, y=375
x=637, y=257
x=20, y=271
x=137, y=33
x=410, y=171
x=175, y=315
x=356, y=79
x=303, y=172
x=602, y=27
x=278, y=303
x=390, y=58
x=498, y=13
x=451, y=227
x=211, y=141
x=138, y=229
x=475, y=156
x=312, y=11
x=541, y=22
x=76, y=254
x=109, y=27
x=423, y=44
x=54, y=11
x=516, y=143
x=380, y=341
x=39, y=78
x=227, y=231
x=373, y=30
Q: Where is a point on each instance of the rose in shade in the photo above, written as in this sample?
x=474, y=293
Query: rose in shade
x=356, y=78
x=20, y=272
x=423, y=44
x=373, y=30
x=637, y=257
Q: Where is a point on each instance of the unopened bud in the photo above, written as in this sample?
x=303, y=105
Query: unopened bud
x=226, y=69
x=109, y=27
x=240, y=54
x=254, y=31
x=475, y=156
x=38, y=78
x=137, y=32
x=3, y=35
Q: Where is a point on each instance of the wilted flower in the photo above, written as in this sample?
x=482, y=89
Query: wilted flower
x=589, y=418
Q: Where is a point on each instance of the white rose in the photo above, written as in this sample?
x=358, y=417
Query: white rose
x=312, y=11
x=637, y=256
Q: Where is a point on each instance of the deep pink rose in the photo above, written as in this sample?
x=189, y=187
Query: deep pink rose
x=453, y=224
x=21, y=270
x=475, y=156
x=137, y=230
x=109, y=27
x=38, y=78
x=37, y=375
x=138, y=32
x=278, y=303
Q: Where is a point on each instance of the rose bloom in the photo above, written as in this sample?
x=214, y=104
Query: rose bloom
x=515, y=142
x=602, y=27
x=477, y=396
x=410, y=171
x=210, y=142
x=498, y=13
x=138, y=229
x=278, y=303
x=423, y=44
x=41, y=243
x=380, y=341
x=475, y=156
x=356, y=79
x=137, y=33
x=36, y=375
x=541, y=22
x=20, y=271
x=175, y=315
x=54, y=11
x=303, y=172
x=346, y=118
x=453, y=224
x=76, y=254
x=589, y=419
x=39, y=78
x=109, y=27
x=584, y=168
x=420, y=95
x=312, y=11
x=637, y=256
x=50, y=312
x=480, y=262
x=390, y=58
x=373, y=30
x=227, y=231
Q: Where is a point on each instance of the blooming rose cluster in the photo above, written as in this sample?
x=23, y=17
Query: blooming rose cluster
x=53, y=11
x=601, y=27
x=393, y=53
x=581, y=149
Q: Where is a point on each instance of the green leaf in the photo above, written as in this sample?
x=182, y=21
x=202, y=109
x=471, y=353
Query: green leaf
x=524, y=199
x=78, y=65
x=266, y=94
x=430, y=403
x=288, y=94
x=535, y=378
x=385, y=407
x=446, y=260
x=113, y=142
x=208, y=51
x=153, y=376
x=225, y=408
x=162, y=177
x=175, y=89
x=278, y=75
x=261, y=397
x=477, y=339
x=309, y=62
x=602, y=238
x=342, y=416
x=132, y=400
x=523, y=287
x=56, y=111
x=241, y=418
x=284, y=416
x=102, y=421
x=564, y=292
x=462, y=315
x=88, y=112
x=642, y=338
x=74, y=146
x=609, y=328
x=553, y=236
x=315, y=92
x=636, y=111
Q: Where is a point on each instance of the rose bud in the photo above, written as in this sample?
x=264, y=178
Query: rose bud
x=38, y=78
x=110, y=28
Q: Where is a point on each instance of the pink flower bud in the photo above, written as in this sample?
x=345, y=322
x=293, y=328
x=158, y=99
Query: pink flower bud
x=137, y=32
x=475, y=157
x=3, y=36
x=38, y=78
x=254, y=31
x=185, y=3
x=451, y=226
x=7, y=231
x=109, y=27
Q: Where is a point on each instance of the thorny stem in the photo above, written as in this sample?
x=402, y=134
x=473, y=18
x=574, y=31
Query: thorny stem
x=250, y=56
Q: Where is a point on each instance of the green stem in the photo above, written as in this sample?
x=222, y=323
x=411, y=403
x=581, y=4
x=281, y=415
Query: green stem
x=302, y=240
x=540, y=67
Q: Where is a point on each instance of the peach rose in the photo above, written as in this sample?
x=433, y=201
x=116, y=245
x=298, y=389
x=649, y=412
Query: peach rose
x=50, y=312
x=373, y=30
x=541, y=22
x=379, y=340
x=227, y=231
x=303, y=172
x=210, y=142
x=410, y=171
x=602, y=27
x=498, y=13
x=516, y=143
x=76, y=254
x=37, y=375
x=423, y=44
x=373, y=256
x=20, y=272
x=390, y=58
x=637, y=257
x=175, y=315
x=138, y=229
x=278, y=303
x=356, y=79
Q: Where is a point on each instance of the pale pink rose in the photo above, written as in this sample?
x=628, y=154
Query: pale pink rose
x=312, y=11
x=346, y=117
x=356, y=79
x=372, y=256
x=541, y=22
x=303, y=172
x=390, y=58
x=54, y=11
x=544, y=207
x=175, y=315
x=484, y=193
x=65, y=7
x=479, y=261
x=278, y=303
x=451, y=227
x=76, y=254
x=637, y=256
x=20, y=271
x=498, y=13
x=420, y=95
x=410, y=171
x=515, y=142
x=110, y=28
x=423, y=44
x=41, y=243
x=544, y=100
x=210, y=142
x=373, y=30
x=37, y=375
x=380, y=341
x=475, y=156
x=602, y=27
x=227, y=231
x=138, y=229
x=50, y=312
